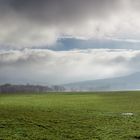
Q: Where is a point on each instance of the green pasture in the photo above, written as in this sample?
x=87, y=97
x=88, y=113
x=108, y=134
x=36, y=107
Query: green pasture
x=70, y=116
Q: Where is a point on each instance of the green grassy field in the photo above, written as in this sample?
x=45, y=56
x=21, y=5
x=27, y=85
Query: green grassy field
x=70, y=116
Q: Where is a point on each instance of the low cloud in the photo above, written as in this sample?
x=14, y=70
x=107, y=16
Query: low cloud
x=56, y=67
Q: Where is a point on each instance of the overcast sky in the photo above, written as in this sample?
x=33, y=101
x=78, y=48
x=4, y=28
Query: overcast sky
x=55, y=42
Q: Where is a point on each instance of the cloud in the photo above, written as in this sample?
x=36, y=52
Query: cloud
x=42, y=22
x=56, y=67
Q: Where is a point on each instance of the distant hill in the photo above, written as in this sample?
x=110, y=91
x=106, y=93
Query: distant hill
x=130, y=82
x=8, y=88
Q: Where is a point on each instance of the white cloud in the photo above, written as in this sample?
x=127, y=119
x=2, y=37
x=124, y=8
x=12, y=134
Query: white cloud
x=45, y=66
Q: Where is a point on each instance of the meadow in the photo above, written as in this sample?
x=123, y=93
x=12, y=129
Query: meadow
x=70, y=116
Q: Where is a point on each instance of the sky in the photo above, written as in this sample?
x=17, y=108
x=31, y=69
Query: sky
x=56, y=42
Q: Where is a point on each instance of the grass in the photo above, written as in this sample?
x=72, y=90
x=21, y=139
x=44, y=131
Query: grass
x=70, y=116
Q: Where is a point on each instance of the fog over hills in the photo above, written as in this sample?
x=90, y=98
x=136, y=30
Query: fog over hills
x=129, y=82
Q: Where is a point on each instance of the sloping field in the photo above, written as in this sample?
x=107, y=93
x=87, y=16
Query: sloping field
x=70, y=116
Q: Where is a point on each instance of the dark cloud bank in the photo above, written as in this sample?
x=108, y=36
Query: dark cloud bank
x=39, y=22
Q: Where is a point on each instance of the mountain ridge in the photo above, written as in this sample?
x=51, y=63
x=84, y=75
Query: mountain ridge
x=129, y=82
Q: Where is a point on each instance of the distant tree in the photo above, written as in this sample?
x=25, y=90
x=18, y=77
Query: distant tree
x=7, y=84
